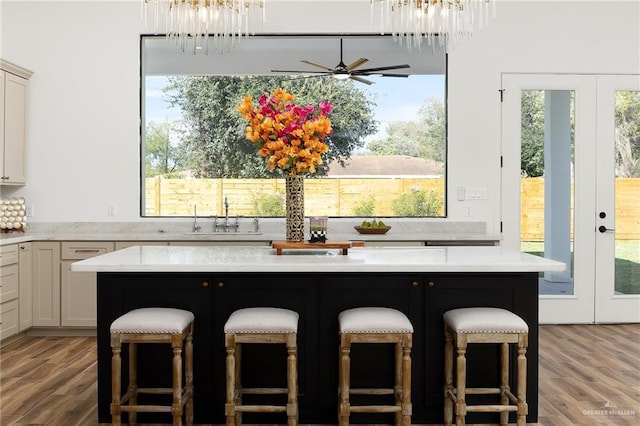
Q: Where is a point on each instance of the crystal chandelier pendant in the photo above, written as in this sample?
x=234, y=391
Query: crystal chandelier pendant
x=447, y=21
x=196, y=23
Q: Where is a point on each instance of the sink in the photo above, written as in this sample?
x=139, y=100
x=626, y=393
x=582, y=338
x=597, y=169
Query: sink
x=223, y=234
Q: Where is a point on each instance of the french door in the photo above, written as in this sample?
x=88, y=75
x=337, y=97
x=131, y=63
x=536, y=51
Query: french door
x=568, y=177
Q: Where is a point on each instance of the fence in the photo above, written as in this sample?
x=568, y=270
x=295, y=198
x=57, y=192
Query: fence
x=627, y=209
x=323, y=197
x=339, y=197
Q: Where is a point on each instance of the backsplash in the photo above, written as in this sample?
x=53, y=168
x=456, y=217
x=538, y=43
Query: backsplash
x=13, y=215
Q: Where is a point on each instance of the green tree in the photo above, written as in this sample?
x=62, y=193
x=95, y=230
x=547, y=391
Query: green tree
x=423, y=138
x=627, y=133
x=214, y=132
x=161, y=157
x=532, y=133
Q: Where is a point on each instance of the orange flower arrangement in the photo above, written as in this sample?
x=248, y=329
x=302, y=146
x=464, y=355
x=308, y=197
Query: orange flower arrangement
x=291, y=136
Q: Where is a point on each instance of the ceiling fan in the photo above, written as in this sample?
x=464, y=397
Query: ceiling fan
x=344, y=72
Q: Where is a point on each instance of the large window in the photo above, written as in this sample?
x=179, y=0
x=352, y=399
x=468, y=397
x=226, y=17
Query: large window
x=387, y=153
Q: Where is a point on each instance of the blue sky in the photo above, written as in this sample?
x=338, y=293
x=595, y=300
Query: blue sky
x=397, y=99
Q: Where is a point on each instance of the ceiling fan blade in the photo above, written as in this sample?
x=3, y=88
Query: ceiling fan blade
x=390, y=67
x=392, y=75
x=360, y=79
x=356, y=63
x=317, y=65
x=304, y=72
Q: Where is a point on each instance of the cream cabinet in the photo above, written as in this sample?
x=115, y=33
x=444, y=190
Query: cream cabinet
x=9, y=290
x=13, y=123
x=25, y=279
x=78, y=290
x=46, y=283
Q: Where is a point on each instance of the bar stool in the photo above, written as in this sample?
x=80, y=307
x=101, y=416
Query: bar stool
x=484, y=325
x=261, y=325
x=153, y=325
x=376, y=325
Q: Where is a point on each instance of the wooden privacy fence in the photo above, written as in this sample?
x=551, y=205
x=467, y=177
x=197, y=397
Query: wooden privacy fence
x=323, y=197
x=627, y=221
x=339, y=197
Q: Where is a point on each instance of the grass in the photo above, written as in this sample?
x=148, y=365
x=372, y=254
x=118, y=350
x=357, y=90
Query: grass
x=627, y=266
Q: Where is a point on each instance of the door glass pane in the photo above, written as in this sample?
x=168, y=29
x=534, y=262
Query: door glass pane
x=627, y=192
x=547, y=190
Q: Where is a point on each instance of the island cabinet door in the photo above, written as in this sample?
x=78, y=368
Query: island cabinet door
x=265, y=365
x=516, y=292
x=372, y=364
x=119, y=293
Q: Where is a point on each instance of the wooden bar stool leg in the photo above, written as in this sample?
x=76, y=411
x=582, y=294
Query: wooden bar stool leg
x=230, y=408
x=461, y=374
x=344, y=377
x=522, y=380
x=504, y=382
x=189, y=377
x=398, y=388
x=116, y=365
x=132, y=387
x=176, y=407
x=448, y=377
x=292, y=380
x=406, y=381
x=238, y=381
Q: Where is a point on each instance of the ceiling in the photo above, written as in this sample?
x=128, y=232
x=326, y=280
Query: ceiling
x=261, y=54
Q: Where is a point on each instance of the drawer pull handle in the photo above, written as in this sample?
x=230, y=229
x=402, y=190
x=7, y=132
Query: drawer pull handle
x=205, y=284
x=87, y=250
x=415, y=284
x=220, y=284
x=431, y=284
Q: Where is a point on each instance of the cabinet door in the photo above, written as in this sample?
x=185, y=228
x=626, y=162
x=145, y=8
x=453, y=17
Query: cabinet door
x=15, y=129
x=121, y=292
x=78, y=289
x=8, y=282
x=25, y=278
x=8, y=319
x=265, y=365
x=46, y=283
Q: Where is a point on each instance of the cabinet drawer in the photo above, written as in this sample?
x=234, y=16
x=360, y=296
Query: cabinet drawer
x=8, y=319
x=8, y=254
x=8, y=283
x=78, y=250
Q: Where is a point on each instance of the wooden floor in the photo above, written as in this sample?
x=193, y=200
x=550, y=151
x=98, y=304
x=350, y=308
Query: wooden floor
x=589, y=375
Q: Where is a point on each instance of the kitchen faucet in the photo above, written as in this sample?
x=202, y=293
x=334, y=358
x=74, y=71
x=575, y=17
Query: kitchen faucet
x=226, y=225
x=196, y=227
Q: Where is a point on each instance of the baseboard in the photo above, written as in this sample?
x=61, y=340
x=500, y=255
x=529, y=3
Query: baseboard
x=60, y=331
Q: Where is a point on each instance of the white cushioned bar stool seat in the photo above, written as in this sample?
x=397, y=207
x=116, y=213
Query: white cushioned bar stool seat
x=260, y=325
x=375, y=325
x=484, y=325
x=153, y=325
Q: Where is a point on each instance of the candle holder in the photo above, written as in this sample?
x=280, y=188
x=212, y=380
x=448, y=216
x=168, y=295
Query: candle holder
x=318, y=229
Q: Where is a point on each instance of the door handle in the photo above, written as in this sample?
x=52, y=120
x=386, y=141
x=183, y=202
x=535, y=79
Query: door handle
x=604, y=229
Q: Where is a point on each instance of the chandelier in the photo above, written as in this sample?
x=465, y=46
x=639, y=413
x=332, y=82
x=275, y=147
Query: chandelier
x=196, y=23
x=412, y=21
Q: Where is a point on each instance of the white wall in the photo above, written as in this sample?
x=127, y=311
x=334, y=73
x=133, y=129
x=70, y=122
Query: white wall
x=83, y=151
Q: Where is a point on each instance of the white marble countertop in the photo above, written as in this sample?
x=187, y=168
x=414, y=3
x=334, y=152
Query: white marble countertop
x=364, y=259
x=270, y=230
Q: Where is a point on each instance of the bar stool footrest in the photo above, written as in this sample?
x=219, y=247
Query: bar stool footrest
x=372, y=391
x=261, y=409
x=491, y=408
x=375, y=409
x=263, y=391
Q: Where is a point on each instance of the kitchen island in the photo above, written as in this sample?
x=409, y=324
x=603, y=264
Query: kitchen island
x=212, y=282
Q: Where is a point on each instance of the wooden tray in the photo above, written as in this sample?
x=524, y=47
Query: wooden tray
x=285, y=245
x=370, y=230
